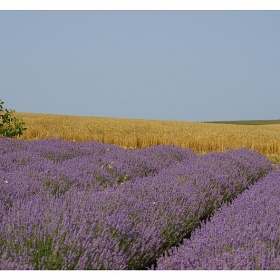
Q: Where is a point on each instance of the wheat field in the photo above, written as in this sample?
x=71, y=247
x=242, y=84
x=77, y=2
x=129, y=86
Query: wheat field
x=136, y=133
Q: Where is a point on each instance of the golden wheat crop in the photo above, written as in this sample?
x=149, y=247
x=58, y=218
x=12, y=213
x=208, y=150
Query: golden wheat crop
x=136, y=133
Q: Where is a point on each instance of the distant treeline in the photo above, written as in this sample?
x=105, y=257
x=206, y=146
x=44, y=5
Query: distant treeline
x=249, y=122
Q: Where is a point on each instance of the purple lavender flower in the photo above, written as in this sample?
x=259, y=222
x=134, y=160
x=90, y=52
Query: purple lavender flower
x=243, y=235
x=66, y=205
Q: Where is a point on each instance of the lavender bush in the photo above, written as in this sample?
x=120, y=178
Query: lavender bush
x=96, y=206
x=243, y=235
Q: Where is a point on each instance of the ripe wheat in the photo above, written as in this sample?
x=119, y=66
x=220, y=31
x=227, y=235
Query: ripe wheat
x=136, y=133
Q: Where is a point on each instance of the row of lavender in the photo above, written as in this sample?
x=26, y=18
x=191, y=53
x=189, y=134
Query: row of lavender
x=59, y=165
x=240, y=236
x=127, y=224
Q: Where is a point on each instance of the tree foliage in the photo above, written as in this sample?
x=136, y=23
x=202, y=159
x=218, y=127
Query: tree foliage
x=10, y=126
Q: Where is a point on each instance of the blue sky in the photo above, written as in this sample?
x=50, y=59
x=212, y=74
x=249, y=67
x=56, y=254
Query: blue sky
x=165, y=65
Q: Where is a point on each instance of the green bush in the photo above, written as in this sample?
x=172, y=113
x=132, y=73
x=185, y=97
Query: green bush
x=10, y=126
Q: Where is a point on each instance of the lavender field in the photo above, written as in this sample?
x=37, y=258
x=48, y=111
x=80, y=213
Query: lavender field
x=89, y=205
x=241, y=235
